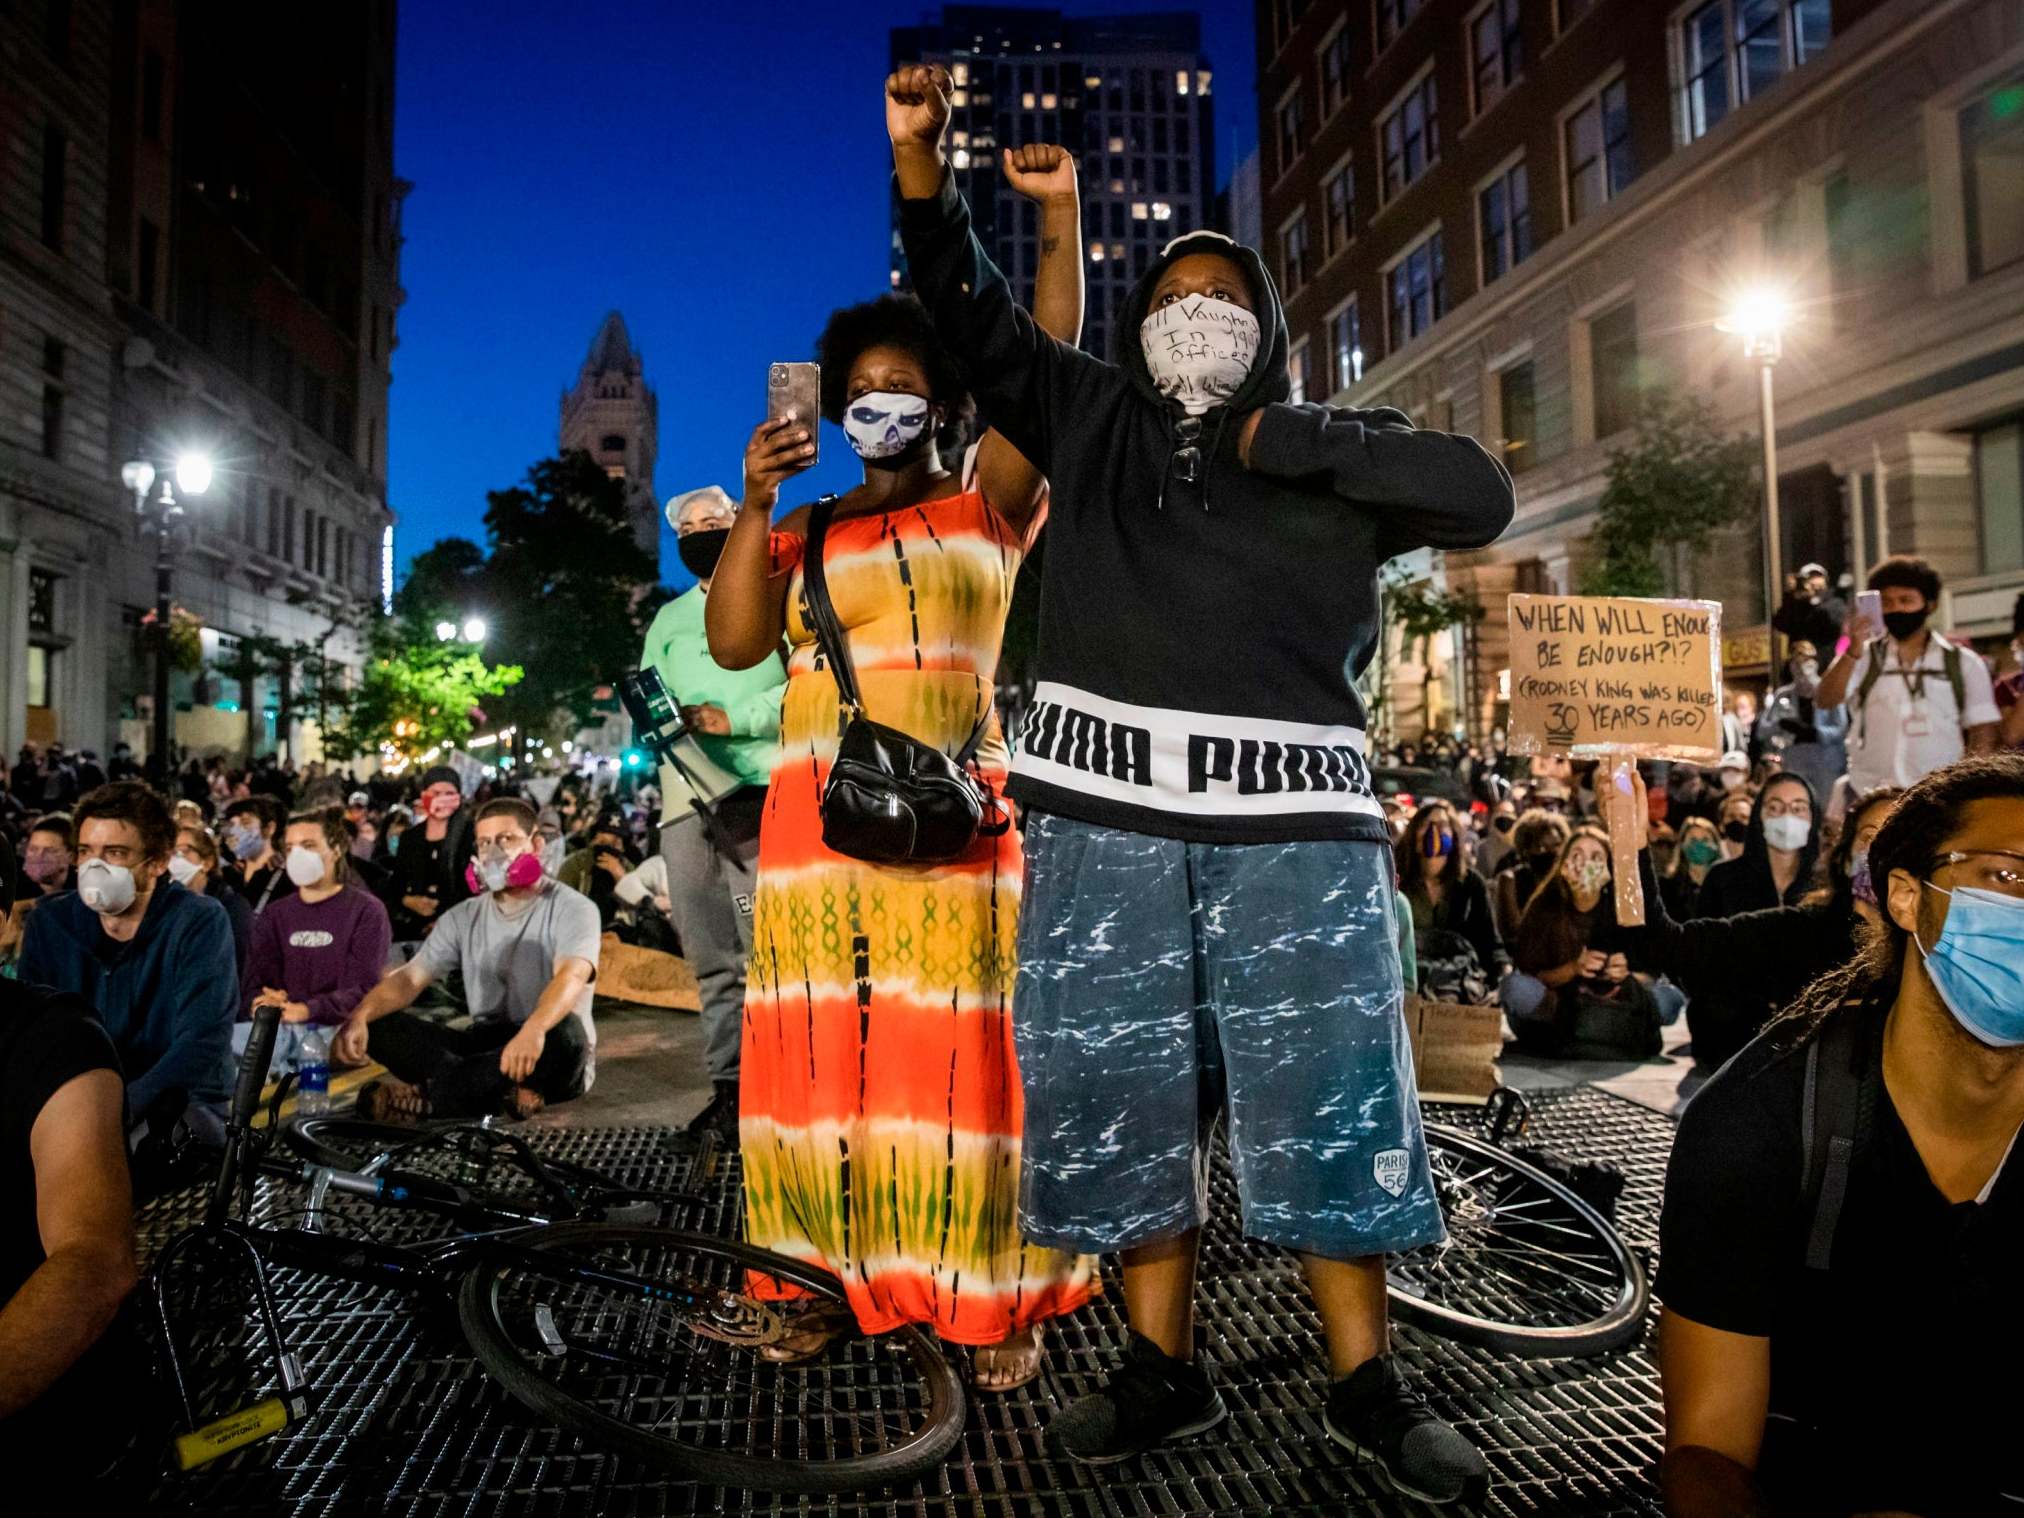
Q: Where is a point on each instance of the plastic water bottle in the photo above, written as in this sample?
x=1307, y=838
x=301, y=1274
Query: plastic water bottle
x=312, y=1074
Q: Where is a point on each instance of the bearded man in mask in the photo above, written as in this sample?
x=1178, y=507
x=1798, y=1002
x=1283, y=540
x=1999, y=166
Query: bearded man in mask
x=1193, y=771
x=156, y=961
x=1916, y=701
x=526, y=946
x=733, y=717
x=1808, y=738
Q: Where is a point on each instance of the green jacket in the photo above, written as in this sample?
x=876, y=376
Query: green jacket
x=678, y=647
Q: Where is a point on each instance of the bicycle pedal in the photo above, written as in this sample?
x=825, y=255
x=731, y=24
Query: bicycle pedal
x=238, y=1429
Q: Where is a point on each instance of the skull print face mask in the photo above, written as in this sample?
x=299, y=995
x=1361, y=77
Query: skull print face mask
x=885, y=426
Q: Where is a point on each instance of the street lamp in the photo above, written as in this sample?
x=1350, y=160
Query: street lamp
x=159, y=514
x=473, y=631
x=1761, y=315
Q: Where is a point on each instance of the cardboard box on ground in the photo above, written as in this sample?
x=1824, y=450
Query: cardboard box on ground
x=1455, y=1048
x=626, y=972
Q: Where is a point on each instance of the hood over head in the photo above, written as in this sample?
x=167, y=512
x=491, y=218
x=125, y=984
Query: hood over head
x=1268, y=380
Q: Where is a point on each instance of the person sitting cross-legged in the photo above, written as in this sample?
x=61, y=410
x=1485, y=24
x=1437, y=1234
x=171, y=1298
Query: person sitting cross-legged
x=527, y=947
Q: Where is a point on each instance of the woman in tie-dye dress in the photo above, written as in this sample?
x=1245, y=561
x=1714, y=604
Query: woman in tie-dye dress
x=880, y=1102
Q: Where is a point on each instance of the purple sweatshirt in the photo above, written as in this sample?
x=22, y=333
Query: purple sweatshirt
x=326, y=955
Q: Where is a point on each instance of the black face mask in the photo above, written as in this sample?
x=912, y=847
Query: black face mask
x=1902, y=624
x=1503, y=824
x=1542, y=863
x=1736, y=832
x=701, y=550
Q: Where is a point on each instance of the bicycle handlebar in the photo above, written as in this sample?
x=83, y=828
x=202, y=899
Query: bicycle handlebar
x=253, y=1064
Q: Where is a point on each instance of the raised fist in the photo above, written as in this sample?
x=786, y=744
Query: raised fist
x=1041, y=171
x=917, y=105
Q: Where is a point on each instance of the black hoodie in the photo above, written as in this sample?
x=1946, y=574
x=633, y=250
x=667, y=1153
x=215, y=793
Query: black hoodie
x=1199, y=642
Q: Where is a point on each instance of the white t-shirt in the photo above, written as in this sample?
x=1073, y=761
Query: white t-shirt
x=508, y=953
x=1910, y=725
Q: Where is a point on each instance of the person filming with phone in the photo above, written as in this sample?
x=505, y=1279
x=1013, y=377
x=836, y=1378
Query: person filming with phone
x=1916, y=701
x=733, y=722
x=868, y=973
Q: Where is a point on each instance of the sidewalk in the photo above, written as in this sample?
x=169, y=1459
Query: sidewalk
x=1663, y=1084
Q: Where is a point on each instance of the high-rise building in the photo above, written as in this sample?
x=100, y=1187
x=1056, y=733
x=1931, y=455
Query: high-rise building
x=1512, y=218
x=1129, y=95
x=614, y=417
x=199, y=249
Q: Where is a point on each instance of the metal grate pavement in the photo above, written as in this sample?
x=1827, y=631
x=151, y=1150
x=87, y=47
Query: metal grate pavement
x=409, y=1424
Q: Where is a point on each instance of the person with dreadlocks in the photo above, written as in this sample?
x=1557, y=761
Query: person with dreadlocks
x=1843, y=1213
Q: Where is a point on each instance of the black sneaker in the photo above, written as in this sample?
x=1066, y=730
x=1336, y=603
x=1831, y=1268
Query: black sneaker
x=1376, y=1415
x=1147, y=1400
x=720, y=1117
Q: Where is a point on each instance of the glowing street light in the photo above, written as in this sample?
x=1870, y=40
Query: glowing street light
x=1760, y=316
x=193, y=473
x=474, y=629
x=445, y=631
x=159, y=514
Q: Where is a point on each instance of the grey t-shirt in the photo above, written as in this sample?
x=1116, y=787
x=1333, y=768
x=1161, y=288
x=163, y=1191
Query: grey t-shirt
x=508, y=953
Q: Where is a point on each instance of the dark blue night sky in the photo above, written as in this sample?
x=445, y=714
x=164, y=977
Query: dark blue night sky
x=716, y=171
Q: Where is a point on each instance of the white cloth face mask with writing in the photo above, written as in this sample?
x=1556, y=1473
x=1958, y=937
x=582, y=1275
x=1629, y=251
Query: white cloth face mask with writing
x=1199, y=350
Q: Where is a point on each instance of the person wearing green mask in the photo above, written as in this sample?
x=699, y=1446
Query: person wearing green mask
x=1699, y=851
x=1575, y=993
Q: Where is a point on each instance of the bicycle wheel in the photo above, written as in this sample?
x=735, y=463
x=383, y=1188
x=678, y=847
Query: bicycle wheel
x=669, y=1371
x=1528, y=1267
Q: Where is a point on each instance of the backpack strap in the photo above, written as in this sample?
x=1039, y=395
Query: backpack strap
x=1950, y=659
x=1842, y=1081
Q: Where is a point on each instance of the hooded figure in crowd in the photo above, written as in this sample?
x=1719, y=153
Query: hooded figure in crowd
x=1208, y=902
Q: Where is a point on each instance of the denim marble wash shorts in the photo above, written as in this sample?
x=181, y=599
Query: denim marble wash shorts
x=1161, y=981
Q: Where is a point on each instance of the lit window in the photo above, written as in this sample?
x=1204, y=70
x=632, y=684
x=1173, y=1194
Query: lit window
x=1519, y=405
x=959, y=97
x=1732, y=50
x=960, y=158
x=1418, y=286
x=1162, y=211
x=1092, y=81
x=1117, y=187
x=1096, y=252
x=1504, y=217
x=1345, y=345
x=1140, y=210
x=1117, y=252
x=1116, y=144
x=1181, y=81
x=1048, y=102
x=960, y=73
x=959, y=139
x=1026, y=101
x=1598, y=151
x=1202, y=77
x=1411, y=135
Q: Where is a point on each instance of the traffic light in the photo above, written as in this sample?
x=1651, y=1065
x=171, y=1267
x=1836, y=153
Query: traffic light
x=634, y=758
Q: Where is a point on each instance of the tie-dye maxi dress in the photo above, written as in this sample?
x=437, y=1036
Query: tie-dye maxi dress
x=879, y=1096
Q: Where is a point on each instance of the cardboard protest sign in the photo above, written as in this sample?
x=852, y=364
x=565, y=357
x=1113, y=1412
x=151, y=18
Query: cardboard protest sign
x=1617, y=678
x=1605, y=677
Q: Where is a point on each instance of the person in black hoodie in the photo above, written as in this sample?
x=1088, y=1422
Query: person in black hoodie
x=1780, y=848
x=1193, y=773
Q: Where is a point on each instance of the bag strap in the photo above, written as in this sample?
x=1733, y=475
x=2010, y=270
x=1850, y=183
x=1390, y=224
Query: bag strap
x=1835, y=1113
x=821, y=612
x=821, y=615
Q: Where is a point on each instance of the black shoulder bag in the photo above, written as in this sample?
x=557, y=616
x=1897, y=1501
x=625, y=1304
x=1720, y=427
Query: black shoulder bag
x=890, y=799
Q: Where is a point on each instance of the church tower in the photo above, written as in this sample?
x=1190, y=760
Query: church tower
x=612, y=416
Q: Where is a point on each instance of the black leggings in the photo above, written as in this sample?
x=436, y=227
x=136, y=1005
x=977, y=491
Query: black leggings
x=458, y=1068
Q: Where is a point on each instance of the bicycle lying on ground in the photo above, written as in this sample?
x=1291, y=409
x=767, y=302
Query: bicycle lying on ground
x=573, y=1294
x=579, y=1299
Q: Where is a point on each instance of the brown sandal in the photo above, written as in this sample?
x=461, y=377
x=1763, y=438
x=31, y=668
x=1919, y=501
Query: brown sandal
x=813, y=1331
x=391, y=1100
x=1023, y=1362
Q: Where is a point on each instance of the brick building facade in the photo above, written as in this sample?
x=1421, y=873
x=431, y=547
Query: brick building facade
x=1512, y=217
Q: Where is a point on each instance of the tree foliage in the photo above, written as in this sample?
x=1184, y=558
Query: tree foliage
x=416, y=696
x=1676, y=484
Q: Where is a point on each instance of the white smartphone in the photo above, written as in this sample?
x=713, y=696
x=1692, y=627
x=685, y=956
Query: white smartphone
x=1869, y=611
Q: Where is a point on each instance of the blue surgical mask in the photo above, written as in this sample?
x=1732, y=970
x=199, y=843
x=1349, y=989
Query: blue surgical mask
x=1436, y=844
x=1978, y=964
x=246, y=842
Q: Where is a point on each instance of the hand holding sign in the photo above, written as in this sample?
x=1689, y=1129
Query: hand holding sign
x=1619, y=679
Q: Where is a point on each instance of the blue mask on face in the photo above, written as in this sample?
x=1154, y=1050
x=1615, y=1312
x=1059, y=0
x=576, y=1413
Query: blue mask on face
x=1978, y=964
x=1436, y=844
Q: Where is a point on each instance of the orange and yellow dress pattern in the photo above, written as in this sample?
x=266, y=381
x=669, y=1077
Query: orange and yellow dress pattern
x=880, y=1110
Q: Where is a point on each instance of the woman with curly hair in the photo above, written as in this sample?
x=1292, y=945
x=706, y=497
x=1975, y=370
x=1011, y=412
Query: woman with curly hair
x=880, y=1108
